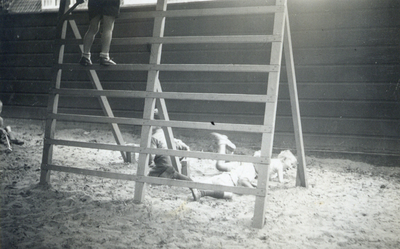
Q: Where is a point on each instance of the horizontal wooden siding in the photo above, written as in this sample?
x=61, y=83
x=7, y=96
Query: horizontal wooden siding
x=346, y=57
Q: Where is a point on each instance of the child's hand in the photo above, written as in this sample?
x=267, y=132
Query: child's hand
x=181, y=145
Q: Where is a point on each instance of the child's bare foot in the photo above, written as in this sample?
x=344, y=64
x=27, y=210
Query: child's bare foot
x=223, y=139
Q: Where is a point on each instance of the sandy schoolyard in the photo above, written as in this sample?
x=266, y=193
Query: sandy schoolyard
x=348, y=204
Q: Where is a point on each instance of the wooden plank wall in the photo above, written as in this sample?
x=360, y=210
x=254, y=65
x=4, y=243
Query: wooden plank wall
x=346, y=57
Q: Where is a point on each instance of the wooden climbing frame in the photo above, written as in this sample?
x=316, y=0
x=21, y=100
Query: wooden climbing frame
x=154, y=97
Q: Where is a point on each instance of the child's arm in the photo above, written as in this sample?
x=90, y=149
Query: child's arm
x=4, y=134
x=181, y=145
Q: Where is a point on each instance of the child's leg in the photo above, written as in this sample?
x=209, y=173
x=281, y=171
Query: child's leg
x=211, y=193
x=4, y=139
x=223, y=141
x=180, y=176
x=169, y=172
x=14, y=139
x=88, y=39
x=106, y=37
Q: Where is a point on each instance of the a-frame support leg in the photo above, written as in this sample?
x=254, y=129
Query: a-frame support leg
x=301, y=179
x=169, y=135
x=108, y=111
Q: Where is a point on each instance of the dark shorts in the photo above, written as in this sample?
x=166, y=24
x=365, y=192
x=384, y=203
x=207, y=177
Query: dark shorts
x=103, y=8
x=163, y=171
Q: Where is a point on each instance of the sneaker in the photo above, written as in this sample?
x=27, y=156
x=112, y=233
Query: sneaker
x=85, y=61
x=196, y=194
x=223, y=139
x=107, y=62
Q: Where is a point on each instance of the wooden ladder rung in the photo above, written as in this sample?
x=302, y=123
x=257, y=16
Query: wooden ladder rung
x=169, y=152
x=198, y=39
x=187, y=40
x=154, y=180
x=251, y=98
x=203, y=12
x=177, y=67
x=164, y=123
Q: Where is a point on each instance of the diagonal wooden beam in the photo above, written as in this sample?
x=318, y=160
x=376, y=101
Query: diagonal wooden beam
x=169, y=135
x=105, y=105
x=301, y=179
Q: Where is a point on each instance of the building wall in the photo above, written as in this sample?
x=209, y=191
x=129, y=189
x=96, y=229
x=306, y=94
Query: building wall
x=346, y=57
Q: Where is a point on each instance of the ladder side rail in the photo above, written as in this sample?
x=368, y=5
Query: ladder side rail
x=52, y=106
x=301, y=178
x=269, y=117
x=149, y=103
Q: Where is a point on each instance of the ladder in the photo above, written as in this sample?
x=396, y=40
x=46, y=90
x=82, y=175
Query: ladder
x=154, y=97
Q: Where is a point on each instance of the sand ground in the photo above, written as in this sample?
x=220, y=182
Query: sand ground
x=348, y=204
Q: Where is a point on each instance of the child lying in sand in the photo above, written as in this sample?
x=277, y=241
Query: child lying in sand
x=235, y=174
x=161, y=165
x=6, y=135
x=242, y=174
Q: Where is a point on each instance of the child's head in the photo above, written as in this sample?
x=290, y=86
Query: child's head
x=288, y=159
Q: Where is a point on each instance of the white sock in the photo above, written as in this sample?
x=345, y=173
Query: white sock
x=105, y=55
x=86, y=55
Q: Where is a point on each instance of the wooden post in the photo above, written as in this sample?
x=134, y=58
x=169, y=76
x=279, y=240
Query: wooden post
x=52, y=106
x=149, y=104
x=269, y=117
x=301, y=179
